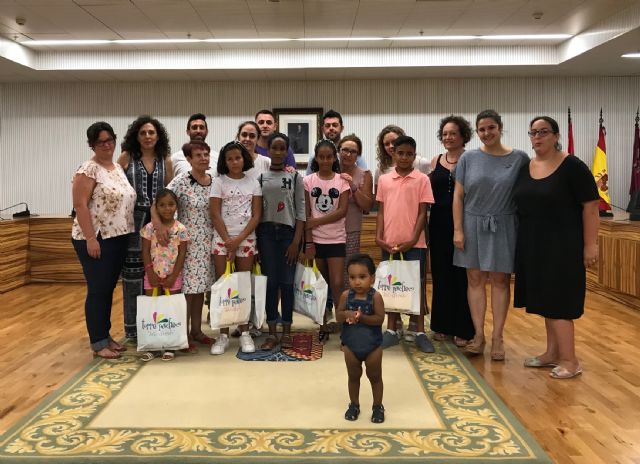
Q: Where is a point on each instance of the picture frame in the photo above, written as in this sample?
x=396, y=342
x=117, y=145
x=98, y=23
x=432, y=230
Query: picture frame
x=302, y=126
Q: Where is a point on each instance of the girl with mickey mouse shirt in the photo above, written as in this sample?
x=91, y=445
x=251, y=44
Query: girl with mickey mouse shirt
x=326, y=200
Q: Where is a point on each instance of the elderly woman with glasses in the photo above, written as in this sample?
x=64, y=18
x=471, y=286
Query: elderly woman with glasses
x=103, y=200
x=557, y=201
x=360, y=194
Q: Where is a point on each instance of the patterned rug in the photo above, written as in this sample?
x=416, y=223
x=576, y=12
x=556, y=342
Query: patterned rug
x=474, y=425
x=306, y=347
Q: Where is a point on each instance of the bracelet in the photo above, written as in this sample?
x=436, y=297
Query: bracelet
x=309, y=245
x=92, y=238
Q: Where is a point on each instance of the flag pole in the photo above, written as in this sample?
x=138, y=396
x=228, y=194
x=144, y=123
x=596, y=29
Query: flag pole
x=634, y=189
x=601, y=172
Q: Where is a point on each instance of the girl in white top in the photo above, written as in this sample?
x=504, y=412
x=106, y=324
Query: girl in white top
x=235, y=208
x=248, y=133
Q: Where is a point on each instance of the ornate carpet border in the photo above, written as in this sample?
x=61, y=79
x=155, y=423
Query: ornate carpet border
x=479, y=427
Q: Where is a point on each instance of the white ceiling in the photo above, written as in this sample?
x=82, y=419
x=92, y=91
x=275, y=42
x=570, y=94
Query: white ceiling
x=603, y=30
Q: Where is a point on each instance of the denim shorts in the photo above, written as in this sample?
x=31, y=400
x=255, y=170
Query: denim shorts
x=413, y=254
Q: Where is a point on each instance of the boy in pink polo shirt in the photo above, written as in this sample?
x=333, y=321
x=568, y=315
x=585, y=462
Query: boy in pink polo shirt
x=404, y=195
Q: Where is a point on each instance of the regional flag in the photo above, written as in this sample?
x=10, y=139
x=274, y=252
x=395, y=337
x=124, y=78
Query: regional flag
x=600, y=171
x=635, y=169
x=570, y=148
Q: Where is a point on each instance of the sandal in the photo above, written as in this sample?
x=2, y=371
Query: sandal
x=270, y=343
x=106, y=353
x=352, y=412
x=323, y=336
x=168, y=356
x=148, y=356
x=377, y=417
x=497, y=350
x=560, y=372
x=440, y=337
x=202, y=339
x=192, y=349
x=115, y=346
x=460, y=342
x=286, y=341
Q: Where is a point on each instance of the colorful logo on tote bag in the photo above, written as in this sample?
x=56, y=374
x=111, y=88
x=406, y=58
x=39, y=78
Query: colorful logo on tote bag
x=233, y=298
x=160, y=321
x=305, y=288
x=392, y=284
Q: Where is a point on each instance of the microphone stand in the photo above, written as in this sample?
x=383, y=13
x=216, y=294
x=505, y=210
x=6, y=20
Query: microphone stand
x=20, y=214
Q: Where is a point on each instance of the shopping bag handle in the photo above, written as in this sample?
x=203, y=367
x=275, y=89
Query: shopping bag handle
x=155, y=292
x=257, y=270
x=401, y=256
x=231, y=267
x=315, y=267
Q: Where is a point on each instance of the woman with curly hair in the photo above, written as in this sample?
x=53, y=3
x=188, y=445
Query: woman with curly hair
x=450, y=314
x=146, y=160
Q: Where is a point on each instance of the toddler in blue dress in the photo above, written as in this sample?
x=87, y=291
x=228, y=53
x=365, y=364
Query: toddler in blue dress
x=361, y=311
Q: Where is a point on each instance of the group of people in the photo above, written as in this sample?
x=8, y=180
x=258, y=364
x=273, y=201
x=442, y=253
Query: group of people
x=172, y=222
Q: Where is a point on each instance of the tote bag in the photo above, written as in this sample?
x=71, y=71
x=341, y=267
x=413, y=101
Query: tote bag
x=162, y=322
x=399, y=284
x=310, y=292
x=230, y=299
x=259, y=292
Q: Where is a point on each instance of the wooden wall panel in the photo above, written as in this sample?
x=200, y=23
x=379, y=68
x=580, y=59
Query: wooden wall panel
x=14, y=254
x=53, y=258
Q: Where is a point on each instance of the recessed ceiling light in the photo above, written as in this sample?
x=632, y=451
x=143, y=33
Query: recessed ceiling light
x=421, y=38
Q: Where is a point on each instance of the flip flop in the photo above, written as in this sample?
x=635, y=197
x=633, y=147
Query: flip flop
x=269, y=344
x=114, y=355
x=536, y=362
x=202, y=339
x=168, y=356
x=148, y=356
x=560, y=372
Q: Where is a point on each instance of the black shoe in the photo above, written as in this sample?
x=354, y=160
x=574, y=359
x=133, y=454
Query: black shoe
x=377, y=416
x=352, y=412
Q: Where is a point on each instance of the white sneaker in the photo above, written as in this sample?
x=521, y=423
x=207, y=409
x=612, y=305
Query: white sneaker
x=246, y=343
x=220, y=345
x=409, y=335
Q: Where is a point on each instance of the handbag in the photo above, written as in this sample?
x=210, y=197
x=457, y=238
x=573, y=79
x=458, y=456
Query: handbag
x=259, y=292
x=310, y=292
x=399, y=285
x=162, y=322
x=230, y=299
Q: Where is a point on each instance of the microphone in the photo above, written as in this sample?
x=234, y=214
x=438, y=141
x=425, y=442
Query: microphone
x=25, y=213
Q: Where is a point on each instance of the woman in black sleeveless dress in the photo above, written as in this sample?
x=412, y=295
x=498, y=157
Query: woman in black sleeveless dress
x=450, y=314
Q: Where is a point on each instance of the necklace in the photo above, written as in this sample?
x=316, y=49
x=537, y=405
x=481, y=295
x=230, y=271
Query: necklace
x=450, y=189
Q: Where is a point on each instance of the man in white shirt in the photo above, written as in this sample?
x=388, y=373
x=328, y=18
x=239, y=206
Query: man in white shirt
x=196, y=130
x=332, y=128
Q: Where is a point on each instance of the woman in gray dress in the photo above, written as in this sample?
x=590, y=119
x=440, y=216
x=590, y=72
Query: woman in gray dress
x=485, y=226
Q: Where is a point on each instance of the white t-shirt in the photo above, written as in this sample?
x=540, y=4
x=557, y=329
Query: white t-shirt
x=181, y=165
x=237, y=196
x=260, y=165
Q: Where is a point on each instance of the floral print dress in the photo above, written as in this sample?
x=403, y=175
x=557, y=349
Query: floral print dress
x=193, y=212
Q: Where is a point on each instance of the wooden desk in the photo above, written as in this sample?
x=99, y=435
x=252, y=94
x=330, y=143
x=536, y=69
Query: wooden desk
x=14, y=253
x=37, y=249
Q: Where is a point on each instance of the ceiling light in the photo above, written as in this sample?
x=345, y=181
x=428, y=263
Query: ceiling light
x=631, y=55
x=421, y=38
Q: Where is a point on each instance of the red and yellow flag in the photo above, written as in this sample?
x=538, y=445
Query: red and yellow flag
x=599, y=169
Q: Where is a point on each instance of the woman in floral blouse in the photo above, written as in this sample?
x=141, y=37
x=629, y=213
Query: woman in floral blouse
x=103, y=200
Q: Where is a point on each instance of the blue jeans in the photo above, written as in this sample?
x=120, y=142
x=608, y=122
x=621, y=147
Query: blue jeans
x=273, y=241
x=101, y=276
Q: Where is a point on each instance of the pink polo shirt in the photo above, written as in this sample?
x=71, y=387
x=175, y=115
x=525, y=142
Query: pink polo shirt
x=401, y=197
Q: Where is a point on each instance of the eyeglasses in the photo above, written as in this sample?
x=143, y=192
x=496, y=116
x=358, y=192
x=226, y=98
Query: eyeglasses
x=105, y=143
x=346, y=151
x=541, y=132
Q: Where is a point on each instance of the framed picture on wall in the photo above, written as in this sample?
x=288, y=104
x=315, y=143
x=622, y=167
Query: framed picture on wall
x=302, y=126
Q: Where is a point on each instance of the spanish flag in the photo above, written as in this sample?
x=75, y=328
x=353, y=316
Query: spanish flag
x=599, y=169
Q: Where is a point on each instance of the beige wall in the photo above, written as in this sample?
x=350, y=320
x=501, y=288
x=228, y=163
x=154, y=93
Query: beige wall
x=42, y=126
